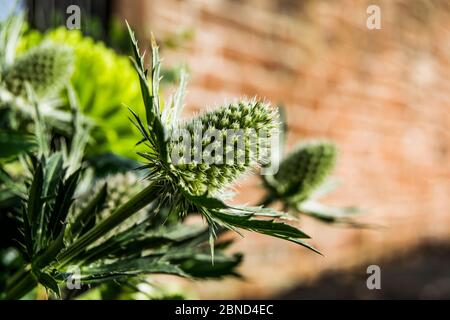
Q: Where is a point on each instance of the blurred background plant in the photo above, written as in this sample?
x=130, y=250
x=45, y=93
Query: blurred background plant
x=302, y=179
x=106, y=85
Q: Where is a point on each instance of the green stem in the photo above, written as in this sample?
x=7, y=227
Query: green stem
x=136, y=203
x=24, y=286
x=18, y=276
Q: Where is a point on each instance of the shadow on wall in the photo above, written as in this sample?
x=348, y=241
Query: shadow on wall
x=420, y=274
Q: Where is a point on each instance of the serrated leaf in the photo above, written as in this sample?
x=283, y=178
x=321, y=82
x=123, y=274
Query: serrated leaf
x=129, y=268
x=158, y=135
x=34, y=203
x=27, y=234
x=53, y=172
x=199, y=266
x=268, y=227
x=49, y=255
x=138, y=63
x=63, y=201
x=261, y=212
x=49, y=283
x=207, y=202
x=139, y=237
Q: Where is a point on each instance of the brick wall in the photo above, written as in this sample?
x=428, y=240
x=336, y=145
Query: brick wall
x=383, y=96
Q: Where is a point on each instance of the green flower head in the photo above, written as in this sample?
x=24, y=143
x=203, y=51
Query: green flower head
x=302, y=171
x=218, y=146
x=46, y=68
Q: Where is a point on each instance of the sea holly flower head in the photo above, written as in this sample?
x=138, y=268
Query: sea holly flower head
x=47, y=68
x=220, y=145
x=189, y=164
x=302, y=171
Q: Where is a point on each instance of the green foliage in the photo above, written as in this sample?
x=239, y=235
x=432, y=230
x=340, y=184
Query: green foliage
x=47, y=68
x=49, y=224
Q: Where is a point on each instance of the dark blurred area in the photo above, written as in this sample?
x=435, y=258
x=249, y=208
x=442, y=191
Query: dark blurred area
x=420, y=274
x=47, y=14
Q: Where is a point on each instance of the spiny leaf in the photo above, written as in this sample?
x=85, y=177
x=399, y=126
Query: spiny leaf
x=34, y=204
x=151, y=100
x=27, y=234
x=156, y=77
x=63, y=201
x=199, y=266
x=141, y=237
x=53, y=172
x=49, y=283
x=138, y=63
x=129, y=268
x=49, y=255
x=268, y=227
x=206, y=201
x=40, y=131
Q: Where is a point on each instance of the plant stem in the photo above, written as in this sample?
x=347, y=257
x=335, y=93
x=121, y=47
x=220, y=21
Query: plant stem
x=122, y=213
x=18, y=276
x=24, y=286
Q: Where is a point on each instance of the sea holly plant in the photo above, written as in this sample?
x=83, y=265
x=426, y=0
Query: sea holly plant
x=191, y=185
x=50, y=219
x=47, y=68
x=302, y=178
x=187, y=167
